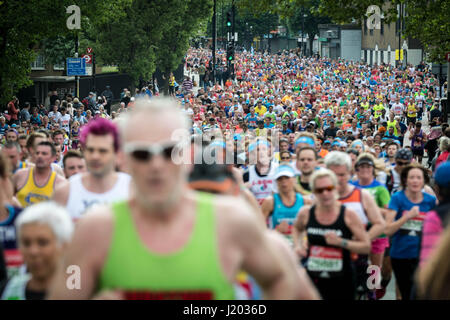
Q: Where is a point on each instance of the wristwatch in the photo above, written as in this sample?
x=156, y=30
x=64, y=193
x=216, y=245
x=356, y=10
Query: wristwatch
x=344, y=243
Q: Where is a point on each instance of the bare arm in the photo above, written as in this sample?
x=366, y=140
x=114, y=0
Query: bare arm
x=373, y=214
x=299, y=230
x=19, y=179
x=308, y=291
x=262, y=260
x=83, y=254
x=361, y=240
x=61, y=194
x=393, y=225
x=267, y=207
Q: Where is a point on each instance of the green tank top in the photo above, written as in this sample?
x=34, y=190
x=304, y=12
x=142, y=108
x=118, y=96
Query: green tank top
x=192, y=273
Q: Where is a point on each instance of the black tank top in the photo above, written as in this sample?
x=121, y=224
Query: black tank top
x=323, y=260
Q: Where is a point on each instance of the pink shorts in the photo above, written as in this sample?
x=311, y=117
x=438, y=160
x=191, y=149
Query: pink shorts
x=379, y=245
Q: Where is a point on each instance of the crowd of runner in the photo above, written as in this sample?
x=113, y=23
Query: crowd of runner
x=305, y=178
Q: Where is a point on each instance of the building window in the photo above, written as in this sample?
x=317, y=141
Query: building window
x=371, y=32
x=382, y=27
x=38, y=63
x=365, y=26
x=59, y=66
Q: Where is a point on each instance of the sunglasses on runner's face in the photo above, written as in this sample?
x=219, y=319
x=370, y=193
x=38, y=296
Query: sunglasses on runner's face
x=147, y=152
x=321, y=190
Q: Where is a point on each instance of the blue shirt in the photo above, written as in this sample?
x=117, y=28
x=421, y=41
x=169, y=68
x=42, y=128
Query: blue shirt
x=4, y=129
x=406, y=241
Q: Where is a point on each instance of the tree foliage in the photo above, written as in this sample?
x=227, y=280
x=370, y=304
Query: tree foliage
x=22, y=25
x=190, y=15
x=426, y=21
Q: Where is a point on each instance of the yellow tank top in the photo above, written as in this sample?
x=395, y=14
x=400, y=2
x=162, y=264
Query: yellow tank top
x=31, y=193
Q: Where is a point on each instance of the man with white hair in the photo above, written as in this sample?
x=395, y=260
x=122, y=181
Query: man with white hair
x=166, y=241
x=43, y=231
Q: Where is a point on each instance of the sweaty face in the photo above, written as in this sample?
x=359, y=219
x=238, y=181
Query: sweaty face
x=40, y=250
x=306, y=161
x=391, y=151
x=11, y=136
x=13, y=155
x=342, y=174
x=43, y=157
x=285, y=184
x=159, y=180
x=59, y=139
x=415, y=180
x=99, y=154
x=73, y=166
x=326, y=197
x=365, y=171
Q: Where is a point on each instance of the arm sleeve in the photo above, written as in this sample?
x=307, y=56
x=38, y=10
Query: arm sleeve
x=393, y=203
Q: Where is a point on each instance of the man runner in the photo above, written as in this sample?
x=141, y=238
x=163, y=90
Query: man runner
x=166, y=241
x=36, y=184
x=101, y=184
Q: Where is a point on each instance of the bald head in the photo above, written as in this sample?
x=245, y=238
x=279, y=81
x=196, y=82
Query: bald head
x=159, y=116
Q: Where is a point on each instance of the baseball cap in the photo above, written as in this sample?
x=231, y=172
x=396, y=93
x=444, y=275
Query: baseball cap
x=442, y=175
x=327, y=141
x=365, y=160
x=404, y=154
x=211, y=177
x=284, y=171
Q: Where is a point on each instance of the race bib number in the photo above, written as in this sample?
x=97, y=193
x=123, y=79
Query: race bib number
x=413, y=227
x=325, y=259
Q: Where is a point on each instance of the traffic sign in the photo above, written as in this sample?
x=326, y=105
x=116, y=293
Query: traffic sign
x=89, y=50
x=76, y=66
x=88, y=58
x=447, y=57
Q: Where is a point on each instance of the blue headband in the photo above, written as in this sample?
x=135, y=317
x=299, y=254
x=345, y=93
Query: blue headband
x=257, y=143
x=306, y=140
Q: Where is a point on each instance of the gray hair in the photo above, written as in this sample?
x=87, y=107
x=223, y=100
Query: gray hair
x=338, y=158
x=322, y=173
x=13, y=144
x=444, y=144
x=50, y=214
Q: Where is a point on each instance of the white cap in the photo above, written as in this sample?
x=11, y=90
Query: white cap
x=284, y=171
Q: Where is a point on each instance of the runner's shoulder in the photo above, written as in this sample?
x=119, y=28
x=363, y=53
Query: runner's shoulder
x=96, y=222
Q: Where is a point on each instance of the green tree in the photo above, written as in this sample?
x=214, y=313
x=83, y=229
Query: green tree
x=26, y=27
x=426, y=21
x=190, y=17
x=311, y=21
x=130, y=41
x=21, y=29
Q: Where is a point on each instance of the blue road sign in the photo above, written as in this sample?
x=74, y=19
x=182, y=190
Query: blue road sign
x=76, y=67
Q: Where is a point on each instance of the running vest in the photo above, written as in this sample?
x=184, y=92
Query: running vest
x=192, y=272
x=262, y=186
x=81, y=199
x=353, y=202
x=31, y=193
x=323, y=260
x=282, y=213
x=16, y=287
x=8, y=239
